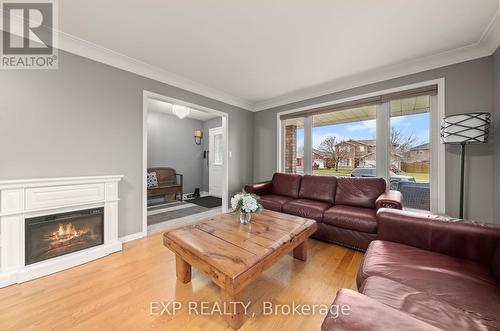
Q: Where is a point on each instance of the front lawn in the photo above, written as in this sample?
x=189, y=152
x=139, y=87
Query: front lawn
x=419, y=177
x=332, y=172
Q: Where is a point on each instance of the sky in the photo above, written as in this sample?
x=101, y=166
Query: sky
x=417, y=124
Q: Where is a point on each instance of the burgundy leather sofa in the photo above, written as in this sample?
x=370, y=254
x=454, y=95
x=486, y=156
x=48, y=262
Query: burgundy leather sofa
x=344, y=207
x=425, y=273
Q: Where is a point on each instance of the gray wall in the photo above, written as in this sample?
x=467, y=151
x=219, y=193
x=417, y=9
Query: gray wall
x=171, y=144
x=86, y=119
x=469, y=87
x=496, y=131
x=207, y=125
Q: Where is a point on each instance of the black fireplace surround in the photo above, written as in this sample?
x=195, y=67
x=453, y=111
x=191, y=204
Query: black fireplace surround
x=59, y=234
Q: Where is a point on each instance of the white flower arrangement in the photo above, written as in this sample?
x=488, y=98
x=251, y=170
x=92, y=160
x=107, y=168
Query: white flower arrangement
x=245, y=203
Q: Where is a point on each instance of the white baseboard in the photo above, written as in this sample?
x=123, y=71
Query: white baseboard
x=8, y=278
x=133, y=236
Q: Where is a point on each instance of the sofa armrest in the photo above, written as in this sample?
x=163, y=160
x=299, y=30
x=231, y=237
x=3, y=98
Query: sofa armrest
x=389, y=199
x=259, y=188
x=458, y=238
x=365, y=313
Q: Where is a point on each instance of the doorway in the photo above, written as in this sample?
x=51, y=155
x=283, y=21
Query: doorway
x=177, y=136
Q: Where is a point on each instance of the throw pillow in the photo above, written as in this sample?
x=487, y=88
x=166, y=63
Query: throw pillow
x=152, y=179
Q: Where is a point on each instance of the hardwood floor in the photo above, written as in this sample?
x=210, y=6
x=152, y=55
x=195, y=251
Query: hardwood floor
x=116, y=292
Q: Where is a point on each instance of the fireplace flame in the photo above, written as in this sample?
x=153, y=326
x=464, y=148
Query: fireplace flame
x=67, y=232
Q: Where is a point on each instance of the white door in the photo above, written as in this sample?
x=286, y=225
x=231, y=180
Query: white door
x=215, y=162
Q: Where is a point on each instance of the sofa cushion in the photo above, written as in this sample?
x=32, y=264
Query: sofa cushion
x=465, y=284
x=306, y=208
x=286, y=184
x=273, y=202
x=495, y=263
x=344, y=237
x=352, y=218
x=425, y=306
x=462, y=239
x=320, y=188
x=359, y=192
x=365, y=313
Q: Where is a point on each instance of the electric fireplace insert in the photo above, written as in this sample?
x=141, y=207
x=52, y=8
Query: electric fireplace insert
x=55, y=235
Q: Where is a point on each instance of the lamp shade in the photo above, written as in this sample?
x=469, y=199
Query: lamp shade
x=465, y=128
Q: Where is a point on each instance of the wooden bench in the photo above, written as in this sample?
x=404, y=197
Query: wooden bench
x=169, y=183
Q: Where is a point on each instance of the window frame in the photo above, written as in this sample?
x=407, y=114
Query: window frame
x=436, y=111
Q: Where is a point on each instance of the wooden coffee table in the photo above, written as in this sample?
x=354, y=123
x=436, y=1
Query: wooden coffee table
x=233, y=255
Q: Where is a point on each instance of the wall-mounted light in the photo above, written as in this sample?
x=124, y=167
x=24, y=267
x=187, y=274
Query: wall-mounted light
x=198, y=134
x=180, y=111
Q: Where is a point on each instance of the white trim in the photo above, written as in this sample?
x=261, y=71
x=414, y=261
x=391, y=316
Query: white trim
x=382, y=132
x=439, y=82
x=307, y=157
x=23, y=199
x=485, y=46
x=439, y=178
x=37, y=182
x=131, y=237
x=90, y=204
x=280, y=143
x=81, y=47
x=438, y=152
x=146, y=96
x=382, y=74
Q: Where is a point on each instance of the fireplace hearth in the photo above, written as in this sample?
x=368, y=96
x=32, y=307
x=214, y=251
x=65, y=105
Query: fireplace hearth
x=55, y=235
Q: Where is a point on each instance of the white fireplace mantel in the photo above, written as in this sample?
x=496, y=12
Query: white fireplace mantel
x=21, y=199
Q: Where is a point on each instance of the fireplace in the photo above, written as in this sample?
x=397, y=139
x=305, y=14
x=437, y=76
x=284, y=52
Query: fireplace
x=55, y=235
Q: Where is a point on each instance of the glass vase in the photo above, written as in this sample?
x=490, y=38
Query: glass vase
x=245, y=218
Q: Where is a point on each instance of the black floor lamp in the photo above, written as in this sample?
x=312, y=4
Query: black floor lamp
x=463, y=129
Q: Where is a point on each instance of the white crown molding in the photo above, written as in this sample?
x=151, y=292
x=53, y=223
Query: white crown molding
x=81, y=47
x=491, y=35
x=374, y=76
x=485, y=46
x=36, y=182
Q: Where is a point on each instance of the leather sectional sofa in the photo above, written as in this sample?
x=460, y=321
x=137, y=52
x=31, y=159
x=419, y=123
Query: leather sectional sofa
x=344, y=207
x=425, y=273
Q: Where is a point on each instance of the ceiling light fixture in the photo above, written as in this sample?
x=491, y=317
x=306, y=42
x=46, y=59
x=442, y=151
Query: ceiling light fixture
x=181, y=111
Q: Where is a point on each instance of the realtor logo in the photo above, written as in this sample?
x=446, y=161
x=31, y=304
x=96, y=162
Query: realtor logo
x=28, y=38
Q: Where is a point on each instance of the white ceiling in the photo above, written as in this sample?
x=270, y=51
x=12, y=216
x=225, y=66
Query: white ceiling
x=165, y=107
x=258, y=54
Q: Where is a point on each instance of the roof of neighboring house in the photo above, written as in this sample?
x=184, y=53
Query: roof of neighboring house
x=392, y=155
x=358, y=142
x=317, y=151
x=369, y=142
x=366, y=142
x=423, y=146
